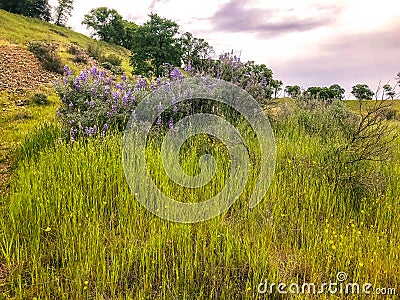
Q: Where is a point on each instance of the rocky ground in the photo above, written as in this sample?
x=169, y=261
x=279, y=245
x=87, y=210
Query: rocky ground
x=20, y=70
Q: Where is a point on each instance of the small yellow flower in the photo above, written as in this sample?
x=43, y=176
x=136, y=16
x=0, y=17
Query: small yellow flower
x=48, y=229
x=333, y=247
x=248, y=289
x=86, y=282
x=361, y=264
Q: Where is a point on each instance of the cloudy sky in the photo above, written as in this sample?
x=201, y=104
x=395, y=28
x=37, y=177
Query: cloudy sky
x=308, y=42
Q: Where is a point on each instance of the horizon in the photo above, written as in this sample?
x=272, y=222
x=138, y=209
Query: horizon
x=309, y=44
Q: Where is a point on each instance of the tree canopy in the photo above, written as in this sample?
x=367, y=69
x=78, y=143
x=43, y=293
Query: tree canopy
x=39, y=9
x=106, y=24
x=362, y=92
x=153, y=44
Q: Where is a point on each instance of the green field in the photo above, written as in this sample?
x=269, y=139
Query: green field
x=70, y=228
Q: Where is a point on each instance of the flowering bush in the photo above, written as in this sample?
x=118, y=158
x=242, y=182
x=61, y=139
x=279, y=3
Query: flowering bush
x=94, y=102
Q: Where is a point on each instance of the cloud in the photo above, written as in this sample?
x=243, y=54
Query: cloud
x=154, y=3
x=235, y=17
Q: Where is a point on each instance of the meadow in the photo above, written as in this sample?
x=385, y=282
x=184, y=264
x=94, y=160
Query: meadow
x=71, y=228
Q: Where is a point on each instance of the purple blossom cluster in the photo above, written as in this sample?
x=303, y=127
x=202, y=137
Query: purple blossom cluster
x=94, y=102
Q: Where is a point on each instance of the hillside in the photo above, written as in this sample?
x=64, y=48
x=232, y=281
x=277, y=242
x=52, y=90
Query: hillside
x=20, y=30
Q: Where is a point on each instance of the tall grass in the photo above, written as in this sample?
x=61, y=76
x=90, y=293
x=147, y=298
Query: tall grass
x=71, y=228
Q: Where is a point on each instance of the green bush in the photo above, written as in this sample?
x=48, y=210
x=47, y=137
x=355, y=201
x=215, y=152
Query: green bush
x=113, y=59
x=95, y=51
x=47, y=55
x=40, y=99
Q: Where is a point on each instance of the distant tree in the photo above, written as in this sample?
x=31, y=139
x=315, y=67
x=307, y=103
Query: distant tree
x=337, y=91
x=293, y=90
x=130, y=29
x=362, y=92
x=31, y=8
x=194, y=50
x=388, y=91
x=153, y=44
x=63, y=11
x=106, y=24
x=276, y=86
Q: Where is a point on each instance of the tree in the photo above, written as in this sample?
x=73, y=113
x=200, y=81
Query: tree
x=388, y=91
x=293, y=90
x=106, y=24
x=153, y=44
x=130, y=29
x=337, y=91
x=63, y=11
x=362, y=92
x=31, y=8
x=277, y=87
x=194, y=50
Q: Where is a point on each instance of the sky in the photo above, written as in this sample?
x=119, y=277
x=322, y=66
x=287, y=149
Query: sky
x=308, y=42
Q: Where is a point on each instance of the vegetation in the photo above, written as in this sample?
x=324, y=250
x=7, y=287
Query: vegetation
x=362, y=92
x=63, y=11
x=70, y=228
x=47, y=55
x=32, y=8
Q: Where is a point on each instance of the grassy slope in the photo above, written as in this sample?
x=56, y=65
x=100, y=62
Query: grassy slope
x=20, y=30
x=17, y=122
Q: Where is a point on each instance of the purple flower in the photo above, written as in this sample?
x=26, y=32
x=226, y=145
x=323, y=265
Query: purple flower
x=71, y=105
x=175, y=110
x=64, y=80
x=90, y=131
x=176, y=74
x=108, y=114
x=64, y=99
x=58, y=114
x=116, y=96
x=92, y=91
x=134, y=114
x=73, y=132
x=107, y=89
x=70, y=122
x=103, y=73
x=91, y=104
x=67, y=70
x=123, y=77
x=158, y=122
x=84, y=75
x=105, y=127
x=93, y=71
x=119, y=86
x=141, y=83
x=171, y=123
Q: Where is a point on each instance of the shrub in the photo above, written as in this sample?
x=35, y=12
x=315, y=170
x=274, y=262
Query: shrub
x=94, y=102
x=40, y=99
x=47, y=55
x=113, y=59
x=95, y=51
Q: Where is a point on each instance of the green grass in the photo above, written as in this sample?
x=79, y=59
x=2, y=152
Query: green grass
x=20, y=30
x=71, y=229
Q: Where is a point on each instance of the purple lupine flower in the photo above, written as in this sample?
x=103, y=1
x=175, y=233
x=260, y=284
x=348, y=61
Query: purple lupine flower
x=58, y=114
x=109, y=114
x=171, y=123
x=154, y=86
x=90, y=131
x=105, y=127
x=108, y=101
x=70, y=122
x=73, y=132
x=91, y=104
x=176, y=74
x=133, y=98
x=175, y=110
x=67, y=70
x=158, y=122
x=93, y=71
x=64, y=99
x=71, y=105
x=101, y=96
x=125, y=99
x=116, y=96
x=84, y=75
x=114, y=108
x=189, y=67
x=119, y=86
x=64, y=80
x=141, y=82
x=123, y=77
x=103, y=73
x=92, y=91
x=107, y=89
